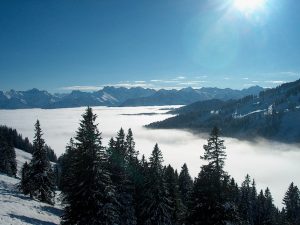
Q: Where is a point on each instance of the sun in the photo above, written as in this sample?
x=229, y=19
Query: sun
x=249, y=6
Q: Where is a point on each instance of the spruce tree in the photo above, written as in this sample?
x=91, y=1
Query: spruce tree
x=176, y=205
x=118, y=163
x=245, y=205
x=270, y=210
x=185, y=184
x=8, y=163
x=210, y=203
x=24, y=185
x=41, y=177
x=156, y=207
x=291, y=202
x=261, y=212
x=66, y=164
x=90, y=198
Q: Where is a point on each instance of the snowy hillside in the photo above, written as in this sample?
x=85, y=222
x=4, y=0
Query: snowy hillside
x=19, y=209
x=273, y=114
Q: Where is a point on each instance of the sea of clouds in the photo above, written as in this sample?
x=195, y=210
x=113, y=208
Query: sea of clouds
x=274, y=165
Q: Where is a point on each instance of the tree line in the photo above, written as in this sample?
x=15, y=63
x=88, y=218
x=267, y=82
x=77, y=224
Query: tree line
x=114, y=185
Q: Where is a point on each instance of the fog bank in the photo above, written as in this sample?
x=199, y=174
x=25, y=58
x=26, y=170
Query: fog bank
x=271, y=164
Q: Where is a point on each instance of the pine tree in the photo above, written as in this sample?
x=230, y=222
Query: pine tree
x=40, y=174
x=291, y=202
x=66, y=164
x=8, y=164
x=214, y=151
x=210, y=203
x=118, y=155
x=245, y=205
x=140, y=187
x=90, y=198
x=171, y=178
x=132, y=154
x=260, y=213
x=24, y=185
x=270, y=210
x=156, y=207
x=185, y=184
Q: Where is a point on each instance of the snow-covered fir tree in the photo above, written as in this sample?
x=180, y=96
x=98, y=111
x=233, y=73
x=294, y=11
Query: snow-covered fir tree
x=91, y=197
x=118, y=164
x=156, y=206
x=66, y=164
x=24, y=185
x=38, y=176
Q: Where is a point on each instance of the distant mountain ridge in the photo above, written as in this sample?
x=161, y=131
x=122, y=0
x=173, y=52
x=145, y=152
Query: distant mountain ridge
x=273, y=114
x=117, y=96
x=189, y=95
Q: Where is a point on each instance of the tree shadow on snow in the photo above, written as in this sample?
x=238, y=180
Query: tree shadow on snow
x=31, y=220
x=52, y=210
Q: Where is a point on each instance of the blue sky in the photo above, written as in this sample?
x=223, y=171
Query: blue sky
x=73, y=44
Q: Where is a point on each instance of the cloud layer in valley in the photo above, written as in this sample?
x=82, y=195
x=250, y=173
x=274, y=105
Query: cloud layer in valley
x=271, y=164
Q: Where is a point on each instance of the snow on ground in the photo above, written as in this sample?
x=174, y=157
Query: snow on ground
x=21, y=158
x=17, y=209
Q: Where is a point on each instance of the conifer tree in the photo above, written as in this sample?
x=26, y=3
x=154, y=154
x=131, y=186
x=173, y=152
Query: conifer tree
x=171, y=179
x=270, y=210
x=260, y=213
x=118, y=163
x=24, y=185
x=67, y=165
x=185, y=184
x=245, y=205
x=156, y=207
x=40, y=174
x=210, y=204
x=214, y=152
x=291, y=202
x=132, y=154
x=90, y=198
x=8, y=164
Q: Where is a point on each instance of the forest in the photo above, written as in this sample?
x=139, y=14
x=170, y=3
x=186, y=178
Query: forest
x=115, y=185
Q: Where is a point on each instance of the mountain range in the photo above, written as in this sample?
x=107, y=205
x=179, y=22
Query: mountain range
x=272, y=114
x=117, y=96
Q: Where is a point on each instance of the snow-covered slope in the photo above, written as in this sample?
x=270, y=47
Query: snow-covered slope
x=15, y=208
x=21, y=158
x=273, y=114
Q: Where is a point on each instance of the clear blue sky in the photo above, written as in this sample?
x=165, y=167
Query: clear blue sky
x=58, y=44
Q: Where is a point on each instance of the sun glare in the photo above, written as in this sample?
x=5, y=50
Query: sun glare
x=249, y=5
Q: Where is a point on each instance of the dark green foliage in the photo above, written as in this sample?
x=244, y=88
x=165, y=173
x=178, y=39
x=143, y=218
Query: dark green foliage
x=291, y=202
x=50, y=154
x=16, y=140
x=24, y=185
x=39, y=174
x=65, y=167
x=90, y=197
x=114, y=187
x=156, y=206
x=178, y=210
x=8, y=164
x=211, y=204
x=185, y=184
x=214, y=151
x=120, y=152
x=246, y=204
